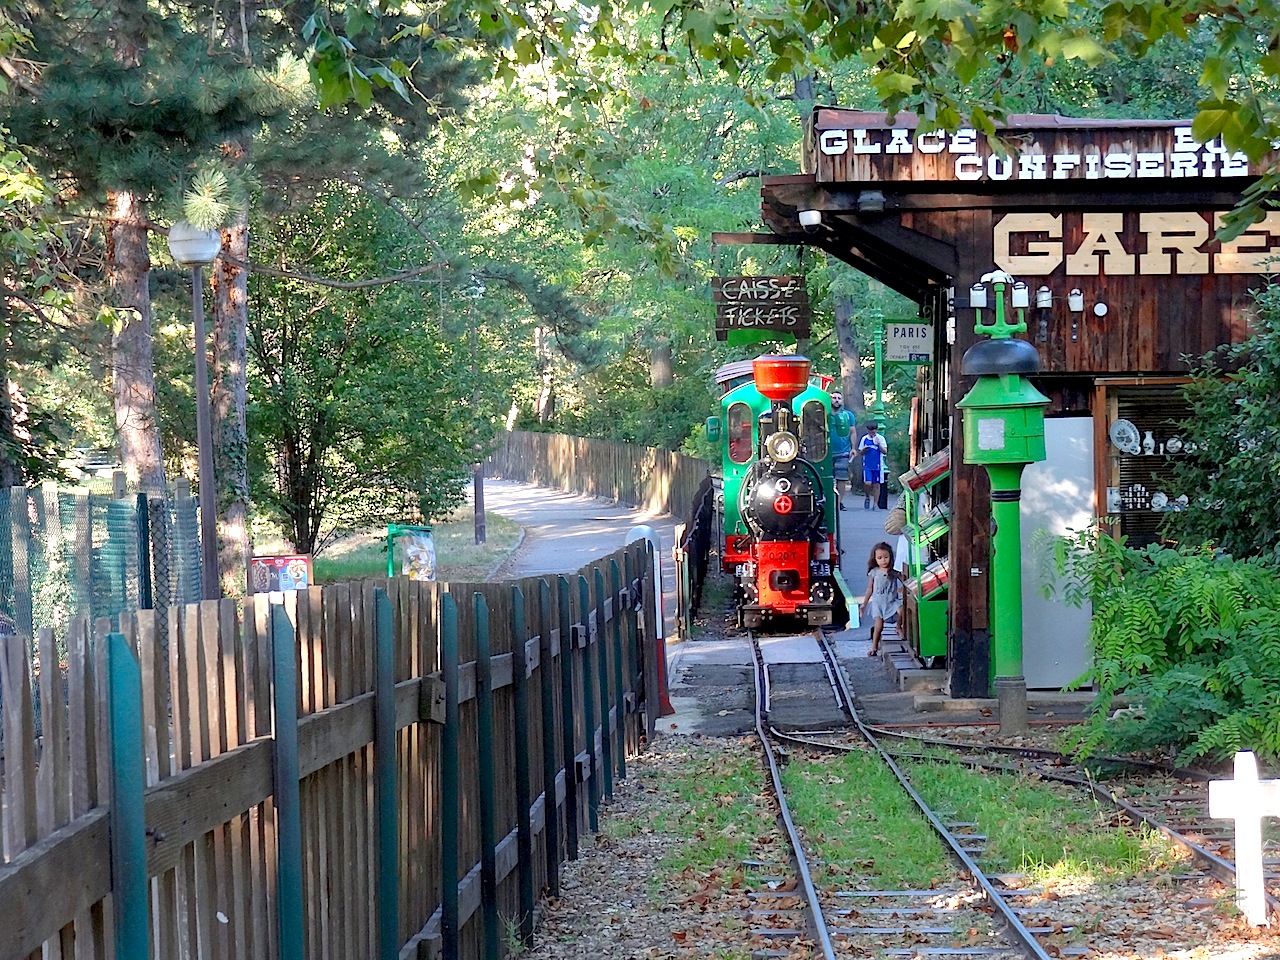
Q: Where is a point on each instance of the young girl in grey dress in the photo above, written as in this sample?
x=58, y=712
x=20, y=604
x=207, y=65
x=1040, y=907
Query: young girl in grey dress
x=884, y=592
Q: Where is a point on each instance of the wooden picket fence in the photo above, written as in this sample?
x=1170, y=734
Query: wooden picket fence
x=654, y=480
x=440, y=750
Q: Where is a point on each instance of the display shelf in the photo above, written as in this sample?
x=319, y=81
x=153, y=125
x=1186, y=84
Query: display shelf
x=927, y=527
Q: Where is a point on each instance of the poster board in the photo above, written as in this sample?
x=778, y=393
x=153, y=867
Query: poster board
x=281, y=574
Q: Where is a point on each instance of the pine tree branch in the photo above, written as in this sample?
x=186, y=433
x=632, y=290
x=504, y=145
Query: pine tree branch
x=737, y=175
x=266, y=271
x=23, y=80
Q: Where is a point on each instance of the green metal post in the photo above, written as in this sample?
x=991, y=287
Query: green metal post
x=524, y=789
x=288, y=798
x=449, y=818
x=143, y=526
x=129, y=892
x=877, y=408
x=568, y=738
x=589, y=707
x=602, y=671
x=1006, y=567
x=1004, y=431
x=620, y=700
x=546, y=682
x=488, y=789
x=384, y=765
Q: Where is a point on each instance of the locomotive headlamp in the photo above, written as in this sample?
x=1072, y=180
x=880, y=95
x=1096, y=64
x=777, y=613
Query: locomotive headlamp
x=782, y=446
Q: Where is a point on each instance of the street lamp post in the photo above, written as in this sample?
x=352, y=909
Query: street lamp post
x=476, y=292
x=877, y=408
x=1003, y=423
x=194, y=248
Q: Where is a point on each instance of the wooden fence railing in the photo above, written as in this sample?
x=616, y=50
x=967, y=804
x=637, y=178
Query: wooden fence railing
x=437, y=751
x=655, y=480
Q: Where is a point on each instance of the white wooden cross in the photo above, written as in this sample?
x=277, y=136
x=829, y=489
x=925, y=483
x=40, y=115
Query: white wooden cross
x=1246, y=800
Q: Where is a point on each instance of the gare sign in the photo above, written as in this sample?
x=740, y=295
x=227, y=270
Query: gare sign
x=1033, y=245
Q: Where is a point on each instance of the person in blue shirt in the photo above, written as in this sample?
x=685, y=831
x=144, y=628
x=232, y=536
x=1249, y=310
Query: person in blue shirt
x=872, y=448
x=840, y=428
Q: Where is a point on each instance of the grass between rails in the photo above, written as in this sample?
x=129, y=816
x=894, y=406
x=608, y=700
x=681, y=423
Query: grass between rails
x=458, y=556
x=864, y=825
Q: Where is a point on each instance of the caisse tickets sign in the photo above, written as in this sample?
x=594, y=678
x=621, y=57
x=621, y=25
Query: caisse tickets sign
x=761, y=304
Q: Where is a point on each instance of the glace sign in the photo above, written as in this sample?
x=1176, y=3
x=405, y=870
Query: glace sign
x=772, y=304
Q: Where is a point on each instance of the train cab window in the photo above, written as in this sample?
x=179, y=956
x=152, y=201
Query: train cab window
x=813, y=431
x=740, y=446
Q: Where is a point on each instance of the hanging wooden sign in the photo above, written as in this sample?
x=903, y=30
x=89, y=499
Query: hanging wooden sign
x=761, y=304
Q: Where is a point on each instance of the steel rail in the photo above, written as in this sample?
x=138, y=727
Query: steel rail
x=1040, y=753
x=817, y=921
x=1213, y=864
x=1016, y=930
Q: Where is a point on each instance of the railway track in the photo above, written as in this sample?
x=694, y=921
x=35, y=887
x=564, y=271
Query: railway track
x=973, y=914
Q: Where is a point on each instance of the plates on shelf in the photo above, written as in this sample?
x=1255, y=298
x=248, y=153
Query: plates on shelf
x=1126, y=437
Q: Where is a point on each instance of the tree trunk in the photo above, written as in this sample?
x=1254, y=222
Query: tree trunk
x=229, y=399
x=133, y=378
x=855, y=399
x=661, y=375
x=10, y=445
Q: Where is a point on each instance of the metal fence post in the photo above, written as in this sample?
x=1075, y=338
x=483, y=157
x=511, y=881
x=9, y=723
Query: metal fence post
x=524, y=790
x=384, y=764
x=144, y=553
x=488, y=797
x=288, y=800
x=589, y=706
x=546, y=681
x=620, y=694
x=129, y=890
x=449, y=778
x=567, y=737
x=602, y=671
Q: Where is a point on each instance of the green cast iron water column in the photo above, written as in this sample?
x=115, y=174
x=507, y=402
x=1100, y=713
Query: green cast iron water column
x=1004, y=431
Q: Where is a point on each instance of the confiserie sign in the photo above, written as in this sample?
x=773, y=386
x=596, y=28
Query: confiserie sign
x=763, y=304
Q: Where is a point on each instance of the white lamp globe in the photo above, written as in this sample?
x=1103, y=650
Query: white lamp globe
x=193, y=247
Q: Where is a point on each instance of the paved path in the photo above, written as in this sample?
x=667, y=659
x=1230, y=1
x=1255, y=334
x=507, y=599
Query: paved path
x=566, y=531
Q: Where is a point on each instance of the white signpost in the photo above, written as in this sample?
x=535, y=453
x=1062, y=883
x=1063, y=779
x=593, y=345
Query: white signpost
x=908, y=342
x=1246, y=800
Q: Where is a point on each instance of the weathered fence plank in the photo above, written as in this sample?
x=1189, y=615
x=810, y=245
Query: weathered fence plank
x=246, y=857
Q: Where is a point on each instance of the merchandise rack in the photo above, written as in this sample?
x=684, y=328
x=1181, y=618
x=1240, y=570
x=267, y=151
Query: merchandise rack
x=928, y=524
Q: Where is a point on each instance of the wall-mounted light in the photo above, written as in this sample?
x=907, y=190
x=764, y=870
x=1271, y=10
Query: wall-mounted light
x=1099, y=309
x=1075, y=303
x=1044, y=303
x=1018, y=300
x=810, y=220
x=871, y=201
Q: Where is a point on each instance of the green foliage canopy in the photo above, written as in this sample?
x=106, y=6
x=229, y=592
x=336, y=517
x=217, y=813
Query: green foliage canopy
x=1233, y=472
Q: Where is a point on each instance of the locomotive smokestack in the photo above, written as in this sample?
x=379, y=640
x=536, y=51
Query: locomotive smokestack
x=781, y=378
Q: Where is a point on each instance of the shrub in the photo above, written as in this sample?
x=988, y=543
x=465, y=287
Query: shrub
x=1190, y=635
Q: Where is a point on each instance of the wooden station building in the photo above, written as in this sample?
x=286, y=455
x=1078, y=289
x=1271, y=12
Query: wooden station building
x=1111, y=225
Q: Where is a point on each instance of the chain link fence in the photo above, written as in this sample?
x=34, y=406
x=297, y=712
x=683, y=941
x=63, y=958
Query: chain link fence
x=70, y=553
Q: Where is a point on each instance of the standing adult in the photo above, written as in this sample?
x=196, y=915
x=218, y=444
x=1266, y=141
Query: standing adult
x=872, y=448
x=840, y=427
